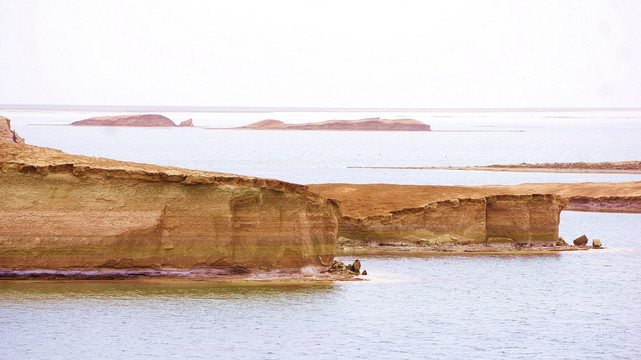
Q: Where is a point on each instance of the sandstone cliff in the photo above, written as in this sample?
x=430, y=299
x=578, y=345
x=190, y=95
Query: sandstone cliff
x=7, y=135
x=369, y=124
x=147, y=120
x=60, y=211
x=499, y=221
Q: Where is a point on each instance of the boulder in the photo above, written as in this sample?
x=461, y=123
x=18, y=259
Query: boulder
x=581, y=240
x=356, y=266
x=596, y=243
x=364, y=272
x=188, y=123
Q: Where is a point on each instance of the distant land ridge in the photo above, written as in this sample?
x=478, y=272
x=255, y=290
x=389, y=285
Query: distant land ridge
x=368, y=124
x=145, y=120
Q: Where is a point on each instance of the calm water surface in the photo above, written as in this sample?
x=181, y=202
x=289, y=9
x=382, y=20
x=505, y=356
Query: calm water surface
x=578, y=305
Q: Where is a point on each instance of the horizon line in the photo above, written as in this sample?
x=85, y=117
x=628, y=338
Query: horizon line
x=201, y=108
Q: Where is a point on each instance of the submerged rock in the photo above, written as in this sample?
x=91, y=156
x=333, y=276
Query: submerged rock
x=581, y=240
x=596, y=243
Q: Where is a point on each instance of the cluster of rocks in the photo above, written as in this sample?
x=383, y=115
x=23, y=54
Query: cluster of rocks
x=583, y=241
x=353, y=269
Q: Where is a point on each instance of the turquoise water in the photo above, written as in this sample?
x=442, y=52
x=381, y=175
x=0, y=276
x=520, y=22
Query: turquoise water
x=573, y=305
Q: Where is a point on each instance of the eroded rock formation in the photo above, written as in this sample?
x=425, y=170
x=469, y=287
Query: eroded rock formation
x=146, y=120
x=369, y=124
x=497, y=221
x=60, y=211
x=8, y=136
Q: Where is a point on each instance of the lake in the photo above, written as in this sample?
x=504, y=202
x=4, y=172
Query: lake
x=569, y=305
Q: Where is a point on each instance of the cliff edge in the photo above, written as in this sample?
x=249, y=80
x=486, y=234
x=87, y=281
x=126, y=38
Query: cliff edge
x=8, y=136
x=67, y=212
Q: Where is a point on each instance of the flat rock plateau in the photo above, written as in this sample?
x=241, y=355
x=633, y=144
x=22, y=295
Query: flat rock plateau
x=369, y=124
x=146, y=120
x=381, y=217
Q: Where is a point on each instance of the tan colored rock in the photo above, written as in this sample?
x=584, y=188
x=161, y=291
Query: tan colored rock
x=530, y=220
x=526, y=219
x=596, y=243
x=581, y=240
x=60, y=211
x=146, y=120
x=8, y=136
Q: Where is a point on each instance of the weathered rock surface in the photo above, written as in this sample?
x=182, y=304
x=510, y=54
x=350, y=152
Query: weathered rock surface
x=498, y=221
x=419, y=216
x=581, y=240
x=60, y=211
x=369, y=124
x=146, y=120
x=340, y=267
x=596, y=243
x=8, y=136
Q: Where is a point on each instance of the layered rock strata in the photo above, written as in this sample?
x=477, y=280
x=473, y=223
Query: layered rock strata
x=60, y=211
x=499, y=221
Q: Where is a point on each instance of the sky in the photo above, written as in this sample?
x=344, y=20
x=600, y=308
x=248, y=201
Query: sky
x=412, y=54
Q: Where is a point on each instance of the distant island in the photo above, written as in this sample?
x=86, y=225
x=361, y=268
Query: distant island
x=618, y=167
x=369, y=124
x=146, y=120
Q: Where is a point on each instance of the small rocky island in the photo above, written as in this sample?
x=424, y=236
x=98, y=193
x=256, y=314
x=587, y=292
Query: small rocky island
x=145, y=120
x=369, y=124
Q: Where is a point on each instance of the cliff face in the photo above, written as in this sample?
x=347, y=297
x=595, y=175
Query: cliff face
x=460, y=217
x=147, y=120
x=8, y=136
x=369, y=124
x=526, y=219
x=403, y=215
x=60, y=211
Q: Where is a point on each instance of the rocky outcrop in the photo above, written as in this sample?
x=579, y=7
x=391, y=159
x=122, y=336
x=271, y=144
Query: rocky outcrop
x=8, y=136
x=369, y=124
x=188, y=123
x=146, y=120
x=498, y=221
x=60, y=211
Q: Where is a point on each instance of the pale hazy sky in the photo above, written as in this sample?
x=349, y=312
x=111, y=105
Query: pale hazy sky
x=452, y=54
